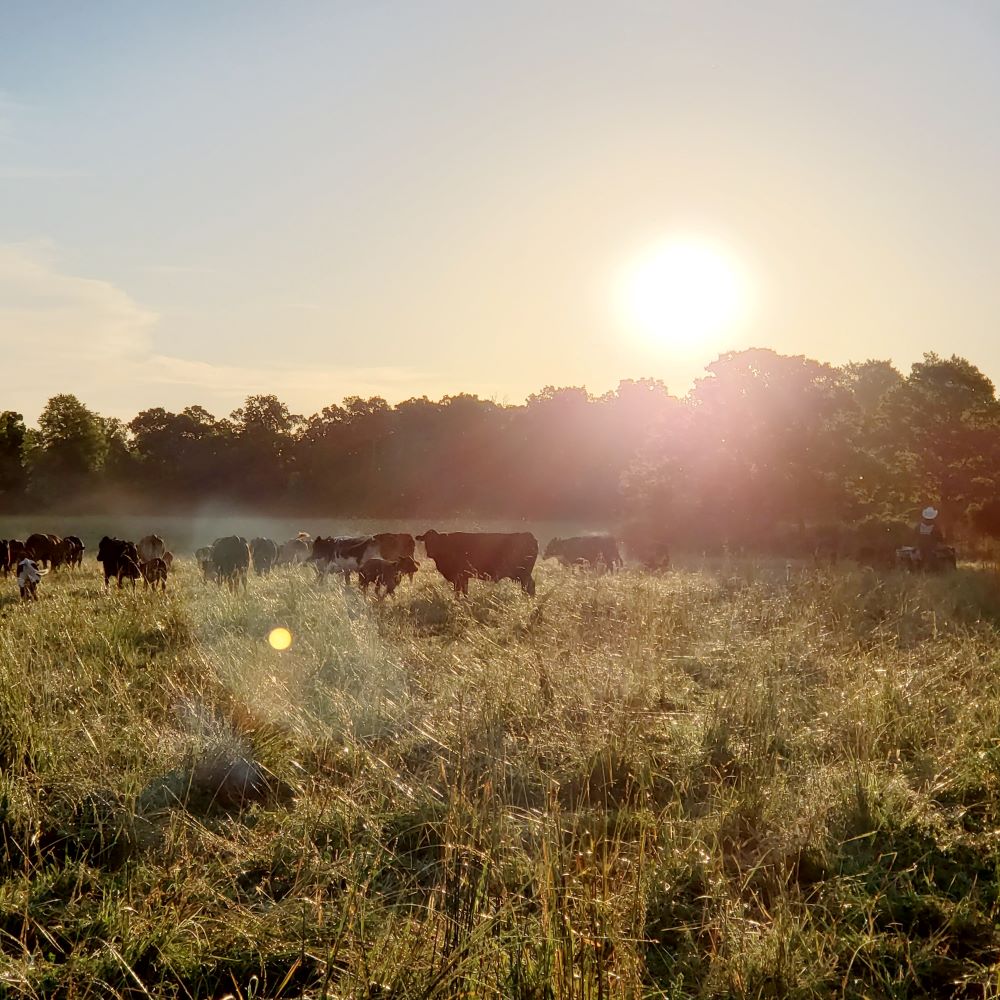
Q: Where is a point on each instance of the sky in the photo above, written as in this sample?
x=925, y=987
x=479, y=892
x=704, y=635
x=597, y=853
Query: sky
x=319, y=199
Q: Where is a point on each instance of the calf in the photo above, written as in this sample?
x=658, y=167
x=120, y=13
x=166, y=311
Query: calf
x=205, y=564
x=154, y=573
x=28, y=578
x=385, y=573
x=128, y=569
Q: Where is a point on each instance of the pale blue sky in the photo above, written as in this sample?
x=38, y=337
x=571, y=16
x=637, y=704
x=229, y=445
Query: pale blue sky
x=198, y=200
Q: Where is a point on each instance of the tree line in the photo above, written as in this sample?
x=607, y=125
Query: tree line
x=765, y=444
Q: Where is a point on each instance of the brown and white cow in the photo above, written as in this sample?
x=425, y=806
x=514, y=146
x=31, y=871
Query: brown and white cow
x=342, y=554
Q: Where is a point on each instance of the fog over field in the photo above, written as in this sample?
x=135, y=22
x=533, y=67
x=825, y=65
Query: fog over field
x=183, y=533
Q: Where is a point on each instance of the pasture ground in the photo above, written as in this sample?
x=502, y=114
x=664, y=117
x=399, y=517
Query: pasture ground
x=732, y=782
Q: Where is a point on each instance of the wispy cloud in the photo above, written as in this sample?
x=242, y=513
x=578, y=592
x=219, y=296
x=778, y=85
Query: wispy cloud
x=64, y=333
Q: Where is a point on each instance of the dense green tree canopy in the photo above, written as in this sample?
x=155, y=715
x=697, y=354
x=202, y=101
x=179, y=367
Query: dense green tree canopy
x=763, y=443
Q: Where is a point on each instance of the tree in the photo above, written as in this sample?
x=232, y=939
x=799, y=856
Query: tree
x=119, y=460
x=944, y=422
x=13, y=475
x=260, y=458
x=70, y=449
x=759, y=448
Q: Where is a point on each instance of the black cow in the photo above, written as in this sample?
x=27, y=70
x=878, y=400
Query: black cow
x=110, y=554
x=461, y=555
x=4, y=556
x=264, y=552
x=43, y=549
x=385, y=573
x=16, y=551
x=75, y=549
x=593, y=550
x=231, y=560
x=342, y=554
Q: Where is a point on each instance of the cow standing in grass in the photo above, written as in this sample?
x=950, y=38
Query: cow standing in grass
x=43, y=549
x=28, y=578
x=462, y=555
x=585, y=550
x=150, y=547
x=74, y=551
x=295, y=550
x=394, y=545
x=231, y=561
x=385, y=573
x=264, y=552
x=110, y=554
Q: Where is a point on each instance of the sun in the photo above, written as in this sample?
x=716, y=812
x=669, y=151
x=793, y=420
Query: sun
x=685, y=293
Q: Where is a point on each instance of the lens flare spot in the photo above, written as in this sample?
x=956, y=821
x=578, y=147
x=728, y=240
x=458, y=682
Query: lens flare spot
x=279, y=638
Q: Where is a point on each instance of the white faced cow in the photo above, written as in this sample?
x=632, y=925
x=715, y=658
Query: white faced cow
x=28, y=578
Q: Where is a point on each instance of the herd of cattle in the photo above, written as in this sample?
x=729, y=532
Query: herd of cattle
x=381, y=559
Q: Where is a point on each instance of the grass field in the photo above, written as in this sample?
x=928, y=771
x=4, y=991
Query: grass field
x=736, y=782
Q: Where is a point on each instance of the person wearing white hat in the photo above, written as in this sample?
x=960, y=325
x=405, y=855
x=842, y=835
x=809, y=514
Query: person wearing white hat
x=928, y=535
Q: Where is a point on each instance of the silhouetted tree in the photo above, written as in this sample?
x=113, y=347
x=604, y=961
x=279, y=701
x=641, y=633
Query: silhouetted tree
x=69, y=450
x=13, y=475
x=944, y=421
x=765, y=445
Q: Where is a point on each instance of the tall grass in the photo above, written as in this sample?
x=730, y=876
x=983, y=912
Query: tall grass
x=740, y=781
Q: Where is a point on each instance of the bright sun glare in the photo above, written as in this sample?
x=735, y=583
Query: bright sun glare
x=685, y=293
